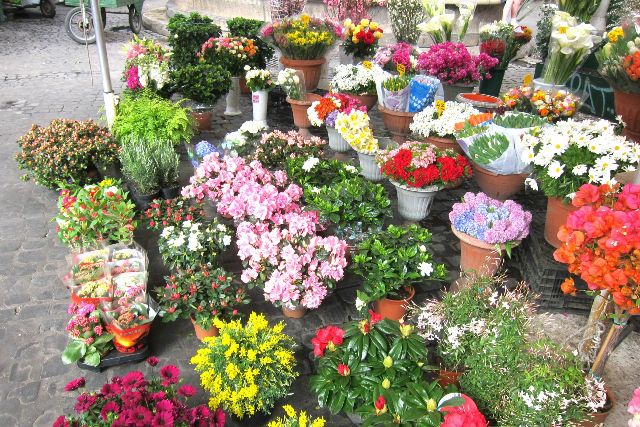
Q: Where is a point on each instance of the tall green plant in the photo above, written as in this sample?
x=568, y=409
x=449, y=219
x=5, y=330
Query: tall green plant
x=167, y=163
x=250, y=28
x=186, y=35
x=139, y=166
x=488, y=148
x=405, y=16
x=203, y=83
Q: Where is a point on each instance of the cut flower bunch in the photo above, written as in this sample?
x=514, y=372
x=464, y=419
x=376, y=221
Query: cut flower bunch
x=361, y=39
x=502, y=41
x=304, y=37
x=441, y=119
x=619, y=59
x=146, y=66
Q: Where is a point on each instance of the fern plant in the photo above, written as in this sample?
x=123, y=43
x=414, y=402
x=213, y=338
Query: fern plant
x=488, y=148
x=139, y=166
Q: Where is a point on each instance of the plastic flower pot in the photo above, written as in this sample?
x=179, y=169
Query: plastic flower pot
x=484, y=103
x=311, y=68
x=297, y=312
x=336, y=141
x=447, y=378
x=171, y=192
x=557, y=213
x=202, y=119
x=202, y=333
x=500, y=187
x=129, y=340
x=414, y=204
x=370, y=168
x=259, y=102
x=627, y=106
x=142, y=201
x=395, y=309
x=368, y=101
x=452, y=91
x=233, y=98
x=444, y=143
x=397, y=122
x=477, y=255
x=597, y=419
x=492, y=85
x=547, y=87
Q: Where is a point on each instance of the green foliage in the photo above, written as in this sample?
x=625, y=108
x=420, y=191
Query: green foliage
x=307, y=172
x=488, y=148
x=139, y=166
x=397, y=83
x=167, y=164
x=470, y=130
x=395, y=258
x=204, y=83
x=186, y=36
x=405, y=15
x=250, y=28
x=520, y=121
x=151, y=118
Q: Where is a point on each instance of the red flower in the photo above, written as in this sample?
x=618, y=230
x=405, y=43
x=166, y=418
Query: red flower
x=164, y=406
x=170, y=374
x=219, y=418
x=328, y=337
x=402, y=159
x=375, y=317
x=187, y=390
x=381, y=405
x=75, y=384
x=110, y=406
x=142, y=416
x=343, y=370
x=360, y=35
x=369, y=38
x=110, y=390
x=465, y=415
x=131, y=399
x=84, y=402
x=133, y=379
x=152, y=361
x=162, y=419
x=61, y=421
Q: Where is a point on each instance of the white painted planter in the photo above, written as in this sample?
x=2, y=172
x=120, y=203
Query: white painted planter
x=259, y=101
x=336, y=141
x=233, y=98
x=547, y=87
x=414, y=204
x=370, y=169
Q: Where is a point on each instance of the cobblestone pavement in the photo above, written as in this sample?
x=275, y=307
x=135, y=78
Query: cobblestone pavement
x=45, y=75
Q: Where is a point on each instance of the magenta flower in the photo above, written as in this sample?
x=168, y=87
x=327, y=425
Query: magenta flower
x=452, y=63
x=162, y=419
x=75, y=384
x=170, y=374
x=187, y=390
x=84, y=402
x=152, y=361
x=61, y=421
x=133, y=379
x=109, y=407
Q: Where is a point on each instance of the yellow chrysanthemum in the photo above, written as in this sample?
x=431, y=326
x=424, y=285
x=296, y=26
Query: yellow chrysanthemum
x=318, y=422
x=302, y=420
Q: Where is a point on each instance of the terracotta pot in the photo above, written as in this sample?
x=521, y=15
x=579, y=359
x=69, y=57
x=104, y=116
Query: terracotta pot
x=447, y=378
x=477, y=255
x=394, y=309
x=496, y=186
x=597, y=419
x=397, y=122
x=368, y=101
x=627, y=105
x=202, y=119
x=311, y=68
x=299, y=109
x=444, y=143
x=484, y=103
x=202, y=333
x=244, y=89
x=557, y=213
x=295, y=313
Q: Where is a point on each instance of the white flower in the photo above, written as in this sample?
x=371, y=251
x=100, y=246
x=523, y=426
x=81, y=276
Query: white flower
x=360, y=304
x=186, y=224
x=226, y=240
x=425, y=125
x=555, y=169
x=605, y=164
x=314, y=190
x=167, y=231
x=354, y=79
x=113, y=189
x=531, y=183
x=221, y=227
x=579, y=170
x=310, y=163
x=426, y=269
x=350, y=168
x=422, y=248
x=571, y=195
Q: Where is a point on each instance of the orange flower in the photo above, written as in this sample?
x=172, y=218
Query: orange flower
x=569, y=287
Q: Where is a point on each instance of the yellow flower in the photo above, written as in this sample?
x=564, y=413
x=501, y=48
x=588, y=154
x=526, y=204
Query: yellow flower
x=406, y=330
x=302, y=420
x=251, y=355
x=354, y=39
x=288, y=409
x=305, y=19
x=386, y=383
x=440, y=106
x=431, y=405
x=615, y=33
x=377, y=34
x=364, y=22
x=373, y=26
x=232, y=371
x=318, y=422
x=387, y=362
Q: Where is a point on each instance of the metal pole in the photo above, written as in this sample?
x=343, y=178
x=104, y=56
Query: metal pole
x=109, y=99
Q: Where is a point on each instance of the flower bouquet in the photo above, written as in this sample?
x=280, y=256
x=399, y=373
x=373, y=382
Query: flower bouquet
x=518, y=98
x=248, y=382
x=437, y=123
x=136, y=399
x=486, y=226
x=242, y=142
x=260, y=82
x=325, y=111
x=231, y=52
x=361, y=40
x=561, y=105
x=276, y=147
x=129, y=321
x=419, y=170
x=293, y=84
x=191, y=244
x=389, y=57
x=163, y=213
x=88, y=337
x=201, y=295
x=130, y=288
x=391, y=262
x=146, y=66
x=569, y=45
x=294, y=266
x=395, y=91
x=570, y=154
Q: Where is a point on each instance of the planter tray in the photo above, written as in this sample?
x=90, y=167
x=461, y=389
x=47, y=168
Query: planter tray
x=115, y=358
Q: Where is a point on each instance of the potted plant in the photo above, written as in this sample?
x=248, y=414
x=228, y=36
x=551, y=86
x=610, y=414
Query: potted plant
x=561, y=170
x=168, y=167
x=243, y=141
x=233, y=53
x=396, y=92
x=131, y=397
x=361, y=40
x=311, y=173
x=391, y=262
x=325, y=111
x=292, y=418
x=202, y=295
x=292, y=82
x=354, y=128
x=267, y=260
x=89, y=280
x=66, y=150
x=250, y=28
x=129, y=320
x=147, y=67
x=88, y=338
x=191, y=244
x=419, y=170
x=243, y=384
x=405, y=15
x=303, y=42
x=486, y=227
x=389, y=57
x=276, y=147
x=111, y=212
x=619, y=64
x=187, y=33
x=260, y=82
x=437, y=123
x=163, y=213
x=140, y=168
x=454, y=66
x=357, y=81
x=374, y=381
x=501, y=40
x=203, y=84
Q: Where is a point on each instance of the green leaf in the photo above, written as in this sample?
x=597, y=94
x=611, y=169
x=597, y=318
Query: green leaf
x=92, y=359
x=73, y=352
x=336, y=404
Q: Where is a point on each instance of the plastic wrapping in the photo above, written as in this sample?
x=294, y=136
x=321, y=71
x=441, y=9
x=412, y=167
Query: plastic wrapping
x=127, y=259
x=129, y=323
x=89, y=278
x=422, y=92
x=396, y=100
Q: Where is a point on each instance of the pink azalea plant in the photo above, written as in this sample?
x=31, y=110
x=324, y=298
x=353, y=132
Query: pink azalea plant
x=634, y=409
x=452, y=64
x=389, y=57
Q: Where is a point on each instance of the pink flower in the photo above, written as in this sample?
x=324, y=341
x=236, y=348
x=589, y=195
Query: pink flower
x=170, y=374
x=187, y=390
x=75, y=384
x=152, y=361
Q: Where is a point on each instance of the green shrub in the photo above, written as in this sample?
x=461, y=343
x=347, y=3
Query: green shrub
x=204, y=83
x=151, y=118
x=167, y=164
x=250, y=28
x=186, y=35
x=139, y=166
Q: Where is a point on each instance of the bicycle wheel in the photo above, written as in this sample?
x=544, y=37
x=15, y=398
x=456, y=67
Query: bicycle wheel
x=78, y=27
x=48, y=8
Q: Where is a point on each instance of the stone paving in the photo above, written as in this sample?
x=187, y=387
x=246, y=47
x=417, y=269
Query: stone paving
x=45, y=75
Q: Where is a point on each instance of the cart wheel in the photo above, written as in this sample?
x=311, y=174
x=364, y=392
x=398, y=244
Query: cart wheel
x=135, y=19
x=77, y=28
x=48, y=8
